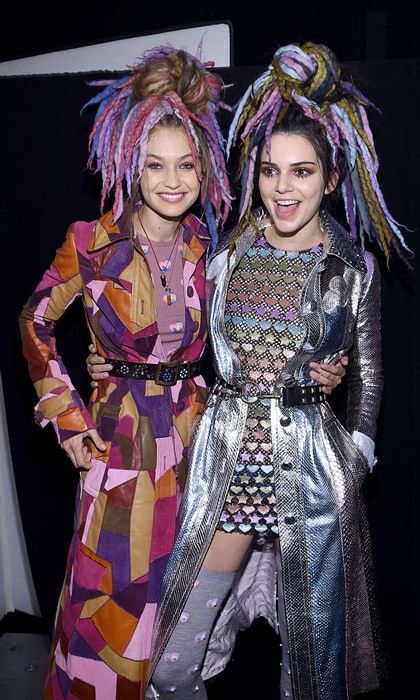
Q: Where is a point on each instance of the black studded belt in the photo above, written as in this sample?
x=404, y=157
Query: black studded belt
x=162, y=373
x=289, y=396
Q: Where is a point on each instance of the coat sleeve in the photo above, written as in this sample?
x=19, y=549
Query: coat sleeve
x=59, y=402
x=365, y=378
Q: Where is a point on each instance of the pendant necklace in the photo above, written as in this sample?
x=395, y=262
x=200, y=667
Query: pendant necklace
x=164, y=282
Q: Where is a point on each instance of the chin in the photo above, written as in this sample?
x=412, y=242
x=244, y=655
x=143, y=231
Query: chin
x=287, y=227
x=171, y=212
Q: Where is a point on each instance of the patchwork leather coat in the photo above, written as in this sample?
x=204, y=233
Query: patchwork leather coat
x=127, y=504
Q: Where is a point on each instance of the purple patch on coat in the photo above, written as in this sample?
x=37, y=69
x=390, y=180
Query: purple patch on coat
x=156, y=571
x=116, y=264
x=107, y=427
x=133, y=598
x=116, y=549
x=79, y=647
x=109, y=322
x=157, y=408
x=80, y=594
x=63, y=681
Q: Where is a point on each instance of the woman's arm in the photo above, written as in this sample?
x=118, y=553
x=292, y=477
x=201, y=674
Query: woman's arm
x=59, y=402
x=365, y=378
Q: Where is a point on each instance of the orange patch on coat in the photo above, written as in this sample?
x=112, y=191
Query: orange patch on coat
x=116, y=625
x=66, y=261
x=119, y=299
x=166, y=485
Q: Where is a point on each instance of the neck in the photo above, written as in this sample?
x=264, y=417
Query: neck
x=157, y=228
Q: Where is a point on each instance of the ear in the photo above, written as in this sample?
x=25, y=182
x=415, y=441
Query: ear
x=332, y=182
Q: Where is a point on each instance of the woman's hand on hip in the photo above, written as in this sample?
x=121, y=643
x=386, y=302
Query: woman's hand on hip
x=77, y=447
x=329, y=376
x=96, y=366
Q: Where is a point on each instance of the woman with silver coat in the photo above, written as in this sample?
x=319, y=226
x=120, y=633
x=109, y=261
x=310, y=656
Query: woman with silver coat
x=275, y=480
x=319, y=467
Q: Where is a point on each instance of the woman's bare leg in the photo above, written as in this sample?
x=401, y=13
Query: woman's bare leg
x=227, y=551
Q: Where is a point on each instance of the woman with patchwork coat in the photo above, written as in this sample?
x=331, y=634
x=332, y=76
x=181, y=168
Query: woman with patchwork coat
x=140, y=271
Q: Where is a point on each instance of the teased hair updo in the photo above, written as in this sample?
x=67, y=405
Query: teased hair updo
x=181, y=73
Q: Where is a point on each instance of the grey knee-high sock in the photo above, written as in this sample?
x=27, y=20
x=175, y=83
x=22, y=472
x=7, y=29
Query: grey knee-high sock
x=178, y=673
x=286, y=688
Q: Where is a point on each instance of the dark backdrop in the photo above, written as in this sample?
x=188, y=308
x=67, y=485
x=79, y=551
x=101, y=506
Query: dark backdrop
x=45, y=187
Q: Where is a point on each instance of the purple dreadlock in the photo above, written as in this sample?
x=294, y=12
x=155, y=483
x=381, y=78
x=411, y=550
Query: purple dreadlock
x=308, y=78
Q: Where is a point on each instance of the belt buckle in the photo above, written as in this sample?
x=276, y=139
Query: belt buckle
x=250, y=392
x=167, y=373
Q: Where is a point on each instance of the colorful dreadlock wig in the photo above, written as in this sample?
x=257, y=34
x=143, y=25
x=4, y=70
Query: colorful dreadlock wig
x=308, y=77
x=164, y=83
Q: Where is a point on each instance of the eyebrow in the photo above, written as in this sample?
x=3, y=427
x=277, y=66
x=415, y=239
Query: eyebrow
x=300, y=162
x=152, y=155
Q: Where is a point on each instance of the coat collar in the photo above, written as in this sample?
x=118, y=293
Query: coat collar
x=337, y=241
x=106, y=233
x=339, y=244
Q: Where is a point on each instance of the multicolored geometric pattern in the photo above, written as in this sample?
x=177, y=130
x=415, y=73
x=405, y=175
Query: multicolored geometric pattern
x=127, y=502
x=265, y=330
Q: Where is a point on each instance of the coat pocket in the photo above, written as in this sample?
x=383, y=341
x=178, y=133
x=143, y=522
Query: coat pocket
x=350, y=454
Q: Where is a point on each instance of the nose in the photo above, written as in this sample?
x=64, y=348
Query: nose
x=283, y=183
x=172, y=179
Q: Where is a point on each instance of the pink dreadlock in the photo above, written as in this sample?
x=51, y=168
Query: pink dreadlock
x=164, y=82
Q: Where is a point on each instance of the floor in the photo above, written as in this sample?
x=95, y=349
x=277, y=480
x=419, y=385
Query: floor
x=23, y=662
x=252, y=672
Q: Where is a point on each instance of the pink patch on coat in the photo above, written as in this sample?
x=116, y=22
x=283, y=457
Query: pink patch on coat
x=115, y=457
x=116, y=477
x=41, y=308
x=140, y=645
x=57, y=373
x=165, y=458
x=194, y=301
x=97, y=288
x=163, y=527
x=88, y=572
x=126, y=426
x=96, y=673
x=91, y=634
x=71, y=614
x=94, y=477
x=88, y=522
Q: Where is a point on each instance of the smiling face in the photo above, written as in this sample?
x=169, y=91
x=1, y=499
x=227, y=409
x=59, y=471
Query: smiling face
x=292, y=186
x=169, y=182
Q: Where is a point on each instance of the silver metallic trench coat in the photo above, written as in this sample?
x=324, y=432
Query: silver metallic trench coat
x=320, y=467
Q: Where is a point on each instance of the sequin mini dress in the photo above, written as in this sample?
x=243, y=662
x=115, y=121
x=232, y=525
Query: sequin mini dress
x=265, y=329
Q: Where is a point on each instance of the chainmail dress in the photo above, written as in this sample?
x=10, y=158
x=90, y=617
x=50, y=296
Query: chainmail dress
x=265, y=329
